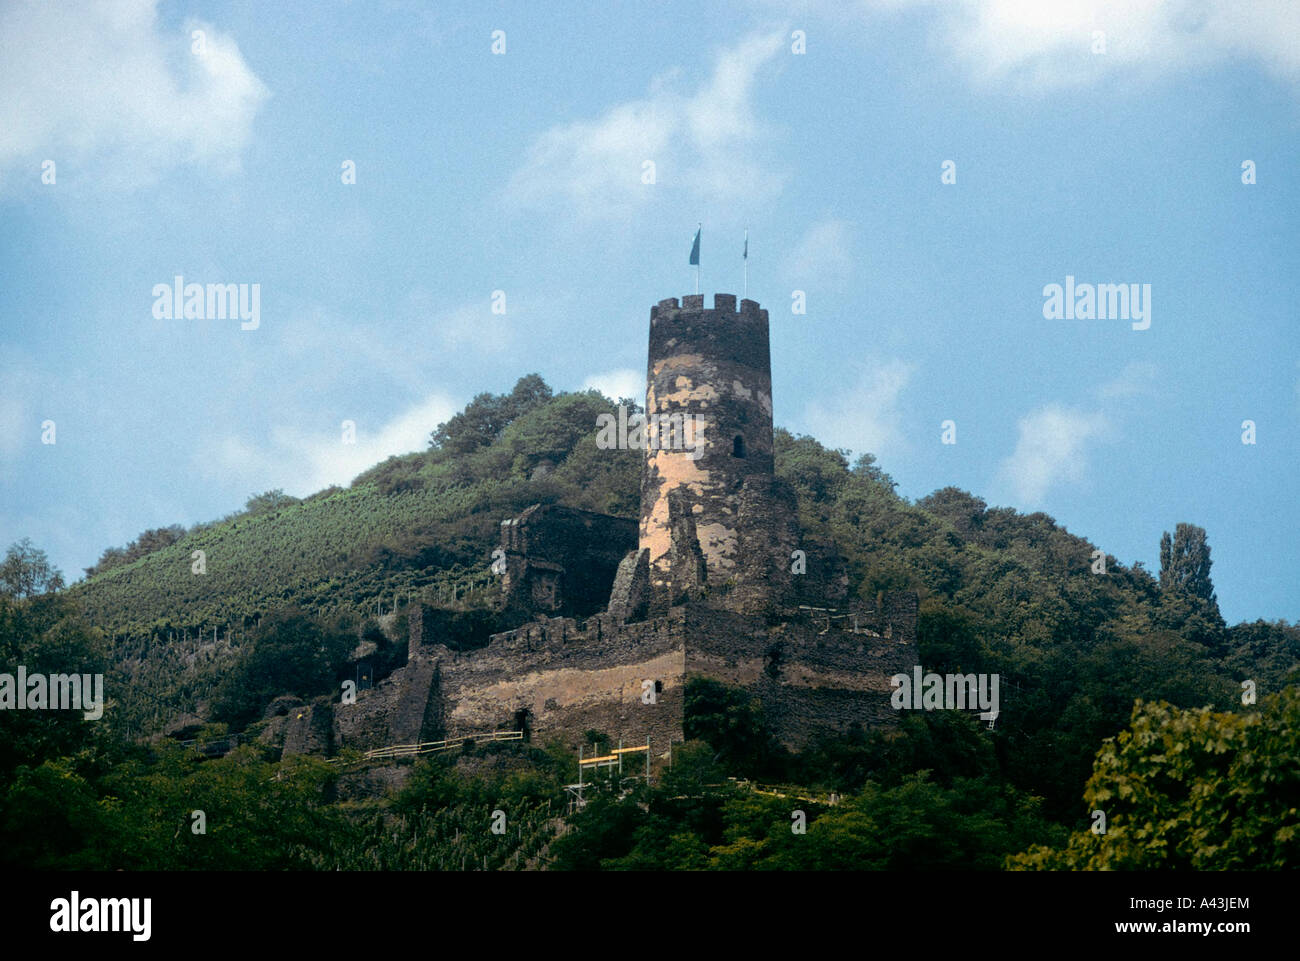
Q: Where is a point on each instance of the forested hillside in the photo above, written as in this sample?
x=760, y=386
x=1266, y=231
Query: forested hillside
x=1076, y=642
x=1002, y=592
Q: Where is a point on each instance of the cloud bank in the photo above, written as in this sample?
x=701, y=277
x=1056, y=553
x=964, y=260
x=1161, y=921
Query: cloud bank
x=597, y=168
x=100, y=83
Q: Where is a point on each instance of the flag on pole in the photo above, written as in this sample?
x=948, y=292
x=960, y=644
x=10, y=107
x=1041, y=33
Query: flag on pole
x=695, y=249
x=745, y=257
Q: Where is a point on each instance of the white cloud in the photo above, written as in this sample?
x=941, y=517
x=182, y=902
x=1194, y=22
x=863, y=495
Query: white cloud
x=595, y=167
x=865, y=418
x=1049, y=42
x=402, y=347
x=822, y=257
x=1053, y=444
x=1136, y=380
x=303, y=463
x=1051, y=449
x=100, y=81
x=617, y=384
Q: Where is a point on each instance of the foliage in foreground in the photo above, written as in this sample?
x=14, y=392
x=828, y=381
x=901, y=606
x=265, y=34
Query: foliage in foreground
x=1192, y=789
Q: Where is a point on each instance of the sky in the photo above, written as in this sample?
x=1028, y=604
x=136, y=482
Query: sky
x=434, y=200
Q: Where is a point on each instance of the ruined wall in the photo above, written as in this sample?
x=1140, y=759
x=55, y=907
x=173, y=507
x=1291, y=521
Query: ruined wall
x=561, y=679
x=396, y=710
x=768, y=534
x=566, y=678
x=558, y=678
x=825, y=578
x=308, y=728
x=373, y=721
x=561, y=560
x=629, y=599
x=809, y=682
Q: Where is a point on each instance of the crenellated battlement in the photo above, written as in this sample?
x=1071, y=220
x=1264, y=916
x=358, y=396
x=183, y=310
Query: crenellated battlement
x=692, y=305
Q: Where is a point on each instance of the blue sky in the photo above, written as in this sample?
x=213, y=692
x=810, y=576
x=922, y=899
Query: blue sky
x=523, y=172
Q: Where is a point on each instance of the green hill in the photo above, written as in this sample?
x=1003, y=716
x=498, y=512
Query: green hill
x=299, y=584
x=420, y=526
x=1002, y=592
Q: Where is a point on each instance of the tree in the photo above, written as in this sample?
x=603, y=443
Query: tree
x=816, y=472
x=487, y=415
x=1191, y=789
x=154, y=539
x=291, y=653
x=1185, y=563
x=112, y=557
x=27, y=572
x=963, y=510
x=268, y=501
x=731, y=721
x=46, y=636
x=529, y=393
x=865, y=466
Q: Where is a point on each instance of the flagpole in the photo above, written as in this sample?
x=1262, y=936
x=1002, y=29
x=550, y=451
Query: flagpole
x=698, y=233
x=746, y=263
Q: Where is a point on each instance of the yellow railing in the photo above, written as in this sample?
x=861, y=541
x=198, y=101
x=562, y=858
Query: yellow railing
x=431, y=747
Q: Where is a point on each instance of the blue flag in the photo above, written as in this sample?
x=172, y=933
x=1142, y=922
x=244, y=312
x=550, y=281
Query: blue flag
x=745, y=255
x=695, y=250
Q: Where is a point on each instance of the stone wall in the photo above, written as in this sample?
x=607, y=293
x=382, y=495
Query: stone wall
x=309, y=728
x=561, y=679
x=630, y=598
x=809, y=682
x=561, y=560
x=768, y=535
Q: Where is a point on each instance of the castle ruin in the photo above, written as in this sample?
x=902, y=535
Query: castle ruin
x=713, y=580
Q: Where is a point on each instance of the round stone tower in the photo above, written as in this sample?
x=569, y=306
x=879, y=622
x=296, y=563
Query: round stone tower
x=708, y=468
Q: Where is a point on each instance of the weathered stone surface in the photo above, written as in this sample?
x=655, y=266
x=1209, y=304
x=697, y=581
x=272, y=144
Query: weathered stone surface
x=808, y=682
x=309, y=729
x=281, y=706
x=711, y=368
x=825, y=580
x=415, y=715
x=688, y=573
x=768, y=535
x=629, y=600
x=558, y=678
x=560, y=560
